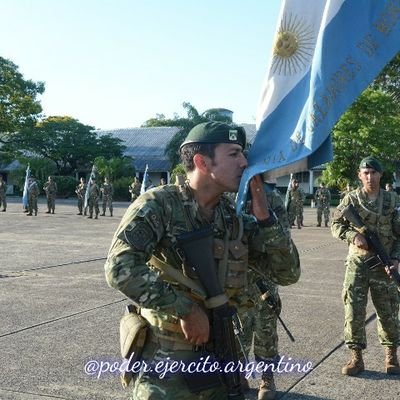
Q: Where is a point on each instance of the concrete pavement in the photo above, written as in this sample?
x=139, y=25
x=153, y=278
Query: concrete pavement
x=57, y=313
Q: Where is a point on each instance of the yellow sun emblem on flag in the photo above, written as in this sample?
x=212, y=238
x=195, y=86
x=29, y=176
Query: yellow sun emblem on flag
x=294, y=46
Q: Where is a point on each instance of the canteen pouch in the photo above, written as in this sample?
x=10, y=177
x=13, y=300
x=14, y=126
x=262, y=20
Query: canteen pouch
x=133, y=332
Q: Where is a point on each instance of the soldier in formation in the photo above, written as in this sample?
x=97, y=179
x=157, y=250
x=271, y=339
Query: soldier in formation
x=260, y=322
x=323, y=202
x=33, y=193
x=50, y=188
x=80, y=191
x=380, y=212
x=93, y=198
x=107, y=192
x=295, y=201
x=148, y=238
x=3, y=196
x=134, y=189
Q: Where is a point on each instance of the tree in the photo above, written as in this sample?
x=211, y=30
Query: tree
x=71, y=145
x=185, y=124
x=114, y=168
x=371, y=126
x=389, y=79
x=19, y=107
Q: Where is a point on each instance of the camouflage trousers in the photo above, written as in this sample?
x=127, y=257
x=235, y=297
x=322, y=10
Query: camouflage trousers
x=51, y=202
x=93, y=204
x=81, y=202
x=358, y=281
x=295, y=214
x=32, y=204
x=322, y=210
x=107, y=202
x=259, y=326
x=3, y=201
x=154, y=385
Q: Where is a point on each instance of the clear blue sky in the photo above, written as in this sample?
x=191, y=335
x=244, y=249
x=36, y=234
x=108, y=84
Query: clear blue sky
x=117, y=63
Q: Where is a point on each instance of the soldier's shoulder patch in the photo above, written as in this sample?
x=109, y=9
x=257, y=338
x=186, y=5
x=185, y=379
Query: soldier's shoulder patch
x=138, y=236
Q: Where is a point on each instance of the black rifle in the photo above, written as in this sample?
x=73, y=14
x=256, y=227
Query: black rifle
x=197, y=247
x=350, y=213
x=269, y=298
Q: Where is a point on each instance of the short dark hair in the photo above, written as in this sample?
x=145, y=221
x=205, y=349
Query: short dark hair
x=191, y=149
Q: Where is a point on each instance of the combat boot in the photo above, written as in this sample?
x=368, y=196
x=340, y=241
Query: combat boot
x=96, y=216
x=319, y=224
x=267, y=389
x=111, y=213
x=90, y=215
x=391, y=362
x=326, y=224
x=48, y=212
x=355, y=365
x=29, y=215
x=103, y=214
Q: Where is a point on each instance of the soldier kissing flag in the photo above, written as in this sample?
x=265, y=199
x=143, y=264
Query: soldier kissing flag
x=325, y=54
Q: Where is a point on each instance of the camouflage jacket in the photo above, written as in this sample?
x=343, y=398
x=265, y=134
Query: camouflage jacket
x=3, y=188
x=323, y=197
x=381, y=216
x=50, y=188
x=296, y=196
x=107, y=189
x=81, y=190
x=151, y=226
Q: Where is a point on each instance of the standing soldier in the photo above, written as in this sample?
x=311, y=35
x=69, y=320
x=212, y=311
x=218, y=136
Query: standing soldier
x=323, y=200
x=80, y=192
x=148, y=239
x=260, y=322
x=3, y=191
x=107, y=192
x=33, y=193
x=50, y=188
x=93, y=199
x=379, y=212
x=295, y=204
x=134, y=189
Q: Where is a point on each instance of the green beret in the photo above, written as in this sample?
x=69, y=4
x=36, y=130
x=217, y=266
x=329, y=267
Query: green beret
x=216, y=132
x=371, y=162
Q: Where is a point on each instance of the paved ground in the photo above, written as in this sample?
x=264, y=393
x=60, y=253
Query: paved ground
x=57, y=313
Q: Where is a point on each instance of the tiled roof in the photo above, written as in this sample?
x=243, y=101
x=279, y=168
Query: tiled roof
x=147, y=145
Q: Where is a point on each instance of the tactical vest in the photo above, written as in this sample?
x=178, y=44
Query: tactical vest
x=379, y=219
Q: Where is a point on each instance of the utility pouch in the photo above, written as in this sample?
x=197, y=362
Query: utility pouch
x=133, y=332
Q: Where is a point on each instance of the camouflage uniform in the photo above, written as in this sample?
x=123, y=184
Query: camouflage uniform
x=50, y=188
x=80, y=192
x=93, y=200
x=33, y=193
x=107, y=192
x=3, y=197
x=295, y=210
x=150, y=227
x=381, y=216
x=323, y=199
x=134, y=190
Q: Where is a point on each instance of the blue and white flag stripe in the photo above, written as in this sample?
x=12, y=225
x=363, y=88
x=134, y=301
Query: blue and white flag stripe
x=324, y=56
x=145, y=180
x=25, y=192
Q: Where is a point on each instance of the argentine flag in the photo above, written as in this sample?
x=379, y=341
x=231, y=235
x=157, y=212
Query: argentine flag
x=145, y=181
x=89, y=185
x=25, y=192
x=325, y=54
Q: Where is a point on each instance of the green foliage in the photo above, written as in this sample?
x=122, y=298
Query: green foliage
x=121, y=186
x=19, y=107
x=389, y=79
x=65, y=185
x=178, y=170
x=69, y=144
x=114, y=168
x=371, y=126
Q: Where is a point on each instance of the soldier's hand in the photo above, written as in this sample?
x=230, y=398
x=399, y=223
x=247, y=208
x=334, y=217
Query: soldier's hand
x=259, y=203
x=195, y=326
x=360, y=241
x=394, y=267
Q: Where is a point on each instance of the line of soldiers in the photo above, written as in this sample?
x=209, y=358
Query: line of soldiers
x=105, y=191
